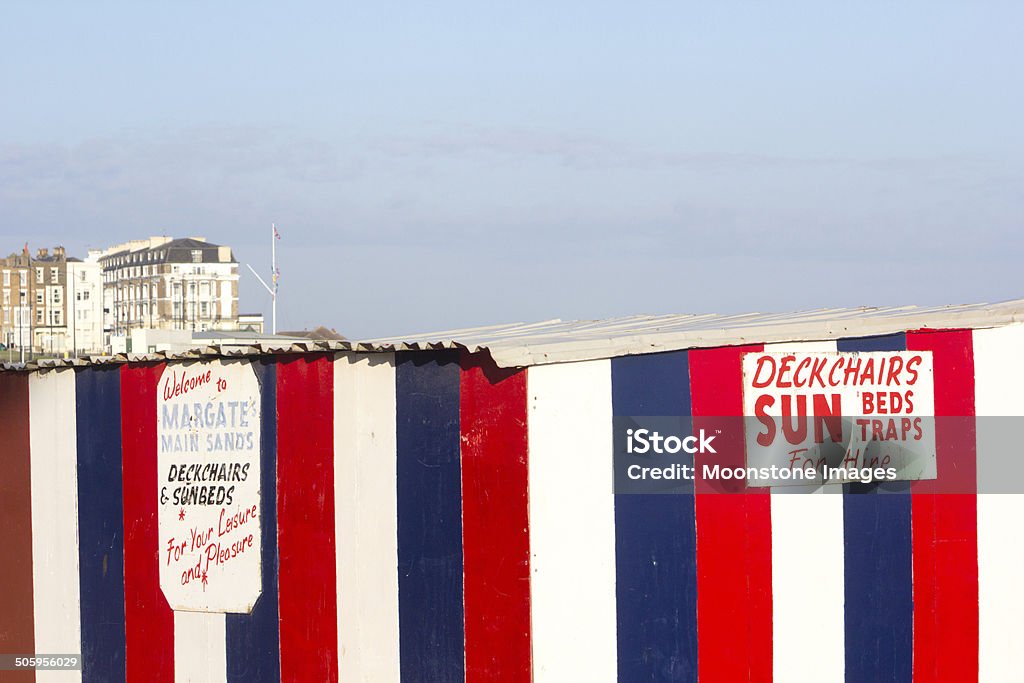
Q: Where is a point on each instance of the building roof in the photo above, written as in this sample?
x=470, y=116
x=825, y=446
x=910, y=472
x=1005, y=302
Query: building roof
x=555, y=341
x=175, y=251
x=319, y=333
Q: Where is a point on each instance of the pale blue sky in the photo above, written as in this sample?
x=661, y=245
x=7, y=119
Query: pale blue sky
x=469, y=163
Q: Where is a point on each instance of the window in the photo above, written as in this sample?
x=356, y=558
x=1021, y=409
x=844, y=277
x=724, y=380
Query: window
x=197, y=256
x=203, y=310
x=85, y=295
x=39, y=275
x=54, y=274
x=39, y=316
x=56, y=295
x=7, y=278
x=39, y=297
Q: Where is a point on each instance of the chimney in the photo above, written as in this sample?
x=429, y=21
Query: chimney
x=59, y=252
x=42, y=253
x=224, y=254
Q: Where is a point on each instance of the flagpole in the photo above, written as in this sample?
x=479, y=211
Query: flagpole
x=273, y=274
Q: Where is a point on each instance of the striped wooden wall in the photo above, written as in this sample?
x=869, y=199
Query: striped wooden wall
x=430, y=517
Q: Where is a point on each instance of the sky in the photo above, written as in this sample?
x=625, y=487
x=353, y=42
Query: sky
x=453, y=164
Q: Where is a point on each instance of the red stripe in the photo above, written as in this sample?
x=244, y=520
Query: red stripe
x=305, y=513
x=945, y=536
x=149, y=620
x=17, y=619
x=734, y=546
x=495, y=536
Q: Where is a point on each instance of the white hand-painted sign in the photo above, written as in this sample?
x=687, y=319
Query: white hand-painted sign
x=208, y=486
x=841, y=410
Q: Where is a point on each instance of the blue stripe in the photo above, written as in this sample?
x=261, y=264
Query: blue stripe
x=252, y=640
x=879, y=566
x=100, y=524
x=655, y=537
x=430, y=608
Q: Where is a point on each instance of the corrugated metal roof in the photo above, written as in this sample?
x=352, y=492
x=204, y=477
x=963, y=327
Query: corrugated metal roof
x=556, y=341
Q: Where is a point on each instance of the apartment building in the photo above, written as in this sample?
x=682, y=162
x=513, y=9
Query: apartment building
x=50, y=303
x=168, y=284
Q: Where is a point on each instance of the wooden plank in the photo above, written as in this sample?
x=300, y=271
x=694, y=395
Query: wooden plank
x=100, y=524
x=945, y=525
x=495, y=528
x=308, y=595
x=366, y=511
x=878, y=566
x=55, y=518
x=253, y=639
x=17, y=627
x=734, y=545
x=655, y=537
x=149, y=621
x=807, y=572
x=199, y=647
x=430, y=561
x=998, y=373
x=572, y=522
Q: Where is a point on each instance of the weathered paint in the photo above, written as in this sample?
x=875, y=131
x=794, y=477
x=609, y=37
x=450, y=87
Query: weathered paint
x=54, y=518
x=572, y=522
x=365, y=523
x=944, y=526
x=734, y=536
x=101, y=524
x=150, y=635
x=429, y=480
x=495, y=522
x=17, y=627
x=307, y=588
x=655, y=538
x=251, y=647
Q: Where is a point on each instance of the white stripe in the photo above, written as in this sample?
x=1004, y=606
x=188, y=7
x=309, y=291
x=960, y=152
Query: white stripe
x=366, y=517
x=808, y=574
x=999, y=374
x=572, y=522
x=53, y=440
x=200, y=652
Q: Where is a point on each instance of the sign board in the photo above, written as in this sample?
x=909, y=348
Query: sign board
x=840, y=411
x=208, y=486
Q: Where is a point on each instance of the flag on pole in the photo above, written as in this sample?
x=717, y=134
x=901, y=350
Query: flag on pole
x=277, y=235
x=276, y=277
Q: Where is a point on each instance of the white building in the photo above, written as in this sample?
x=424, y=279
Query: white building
x=85, y=307
x=168, y=284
